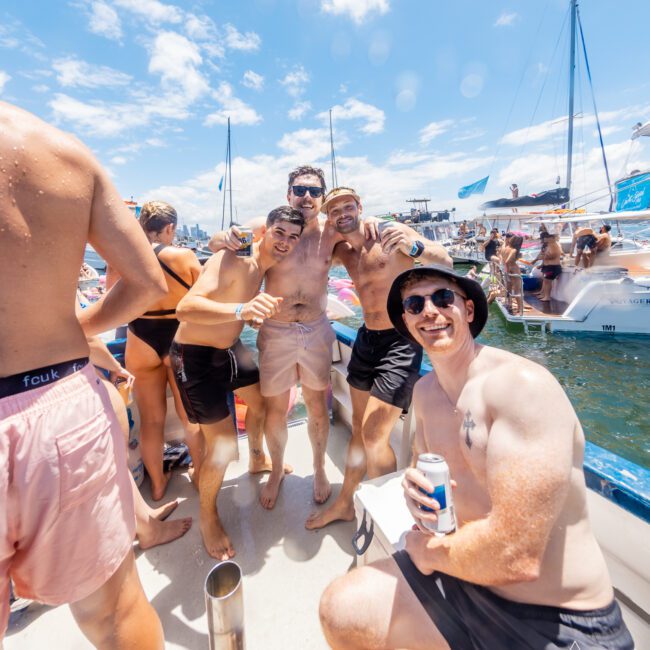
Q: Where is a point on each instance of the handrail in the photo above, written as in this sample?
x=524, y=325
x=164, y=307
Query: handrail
x=617, y=479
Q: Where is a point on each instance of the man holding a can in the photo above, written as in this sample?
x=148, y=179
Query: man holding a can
x=523, y=568
x=209, y=360
x=384, y=366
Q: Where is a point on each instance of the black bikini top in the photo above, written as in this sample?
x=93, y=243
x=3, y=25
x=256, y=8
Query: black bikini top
x=173, y=274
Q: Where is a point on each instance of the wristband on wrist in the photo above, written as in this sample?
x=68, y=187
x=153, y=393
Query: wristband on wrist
x=238, y=311
x=417, y=249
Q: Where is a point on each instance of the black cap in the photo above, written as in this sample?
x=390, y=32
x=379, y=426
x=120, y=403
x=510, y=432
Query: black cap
x=472, y=289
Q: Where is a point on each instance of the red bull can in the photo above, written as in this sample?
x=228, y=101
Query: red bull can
x=245, y=243
x=436, y=470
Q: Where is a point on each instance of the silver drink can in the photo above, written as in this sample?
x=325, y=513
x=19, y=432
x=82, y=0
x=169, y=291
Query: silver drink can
x=436, y=470
x=245, y=243
x=383, y=225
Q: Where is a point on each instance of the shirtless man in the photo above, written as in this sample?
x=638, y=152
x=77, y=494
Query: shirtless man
x=600, y=252
x=551, y=256
x=523, y=548
x=296, y=344
x=583, y=238
x=384, y=366
x=68, y=487
x=209, y=360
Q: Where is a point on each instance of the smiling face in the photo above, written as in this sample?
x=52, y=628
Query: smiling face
x=308, y=205
x=343, y=213
x=439, y=329
x=281, y=238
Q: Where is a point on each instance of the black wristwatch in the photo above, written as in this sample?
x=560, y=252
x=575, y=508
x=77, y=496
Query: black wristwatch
x=417, y=250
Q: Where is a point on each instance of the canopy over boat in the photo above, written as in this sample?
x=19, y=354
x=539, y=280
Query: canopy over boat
x=627, y=216
x=550, y=197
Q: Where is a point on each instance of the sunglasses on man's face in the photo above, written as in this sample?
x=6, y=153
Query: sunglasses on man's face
x=301, y=190
x=441, y=298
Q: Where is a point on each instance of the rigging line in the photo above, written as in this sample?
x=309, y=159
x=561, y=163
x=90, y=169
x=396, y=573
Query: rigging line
x=561, y=80
x=225, y=180
x=521, y=79
x=541, y=92
x=593, y=96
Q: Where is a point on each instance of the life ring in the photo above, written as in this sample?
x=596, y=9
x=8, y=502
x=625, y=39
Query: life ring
x=241, y=409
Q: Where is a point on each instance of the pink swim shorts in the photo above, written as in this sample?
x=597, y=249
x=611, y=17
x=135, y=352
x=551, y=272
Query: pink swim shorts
x=67, y=517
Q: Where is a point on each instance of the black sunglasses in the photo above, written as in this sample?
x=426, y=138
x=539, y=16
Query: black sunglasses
x=441, y=298
x=301, y=190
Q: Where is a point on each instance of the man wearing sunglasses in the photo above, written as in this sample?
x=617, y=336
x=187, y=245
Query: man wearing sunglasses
x=296, y=344
x=384, y=366
x=523, y=569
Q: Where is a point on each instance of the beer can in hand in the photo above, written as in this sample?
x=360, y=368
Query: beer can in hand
x=436, y=470
x=382, y=226
x=245, y=243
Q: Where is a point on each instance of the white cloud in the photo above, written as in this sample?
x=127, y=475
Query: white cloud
x=299, y=110
x=354, y=109
x=506, y=19
x=4, y=78
x=307, y=144
x=41, y=88
x=104, y=21
x=200, y=27
x=358, y=10
x=235, y=40
x=232, y=107
x=253, y=80
x=176, y=59
x=434, y=129
x=152, y=11
x=119, y=160
x=74, y=72
x=295, y=82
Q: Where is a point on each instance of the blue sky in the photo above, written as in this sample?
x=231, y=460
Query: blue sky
x=426, y=96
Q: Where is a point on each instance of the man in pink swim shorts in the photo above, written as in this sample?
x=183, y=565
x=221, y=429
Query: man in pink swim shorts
x=66, y=507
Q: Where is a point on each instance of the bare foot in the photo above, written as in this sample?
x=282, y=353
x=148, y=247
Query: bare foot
x=258, y=465
x=322, y=487
x=269, y=491
x=215, y=540
x=161, y=532
x=158, y=491
x=338, y=510
x=163, y=511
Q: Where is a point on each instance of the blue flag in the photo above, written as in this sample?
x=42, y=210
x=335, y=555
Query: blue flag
x=221, y=183
x=474, y=188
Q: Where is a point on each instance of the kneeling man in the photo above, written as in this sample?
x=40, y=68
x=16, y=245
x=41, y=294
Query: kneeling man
x=209, y=360
x=523, y=569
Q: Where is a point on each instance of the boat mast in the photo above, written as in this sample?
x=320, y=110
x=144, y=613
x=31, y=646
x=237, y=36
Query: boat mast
x=572, y=69
x=228, y=179
x=335, y=180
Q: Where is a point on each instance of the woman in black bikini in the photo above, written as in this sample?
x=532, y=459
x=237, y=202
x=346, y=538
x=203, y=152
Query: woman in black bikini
x=147, y=346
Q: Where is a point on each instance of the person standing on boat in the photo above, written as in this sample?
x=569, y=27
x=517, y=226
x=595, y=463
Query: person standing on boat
x=491, y=246
x=148, y=340
x=384, y=367
x=523, y=568
x=551, y=256
x=296, y=344
x=583, y=238
x=600, y=252
x=210, y=361
x=66, y=508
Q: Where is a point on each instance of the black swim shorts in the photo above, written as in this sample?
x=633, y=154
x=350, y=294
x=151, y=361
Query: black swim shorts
x=586, y=241
x=471, y=617
x=386, y=364
x=551, y=271
x=205, y=375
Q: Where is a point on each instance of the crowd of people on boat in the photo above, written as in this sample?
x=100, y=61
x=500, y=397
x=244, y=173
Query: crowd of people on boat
x=523, y=568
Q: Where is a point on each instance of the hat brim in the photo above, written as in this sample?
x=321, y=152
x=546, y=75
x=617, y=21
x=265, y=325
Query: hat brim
x=332, y=196
x=472, y=289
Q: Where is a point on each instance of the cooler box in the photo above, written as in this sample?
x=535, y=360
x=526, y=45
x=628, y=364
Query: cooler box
x=531, y=283
x=382, y=518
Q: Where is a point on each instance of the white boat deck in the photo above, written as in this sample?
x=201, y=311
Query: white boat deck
x=285, y=566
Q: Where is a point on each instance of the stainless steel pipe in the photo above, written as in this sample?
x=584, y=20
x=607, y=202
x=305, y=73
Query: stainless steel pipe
x=224, y=602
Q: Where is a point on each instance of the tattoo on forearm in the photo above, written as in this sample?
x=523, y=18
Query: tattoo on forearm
x=256, y=452
x=468, y=425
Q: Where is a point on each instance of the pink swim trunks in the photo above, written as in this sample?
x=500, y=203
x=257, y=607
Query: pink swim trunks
x=67, y=518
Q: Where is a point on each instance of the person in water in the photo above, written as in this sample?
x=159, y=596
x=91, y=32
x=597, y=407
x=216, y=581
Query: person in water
x=384, y=366
x=523, y=569
x=66, y=505
x=209, y=360
x=296, y=344
x=148, y=340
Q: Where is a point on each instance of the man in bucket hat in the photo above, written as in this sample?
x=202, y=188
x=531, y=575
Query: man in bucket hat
x=523, y=569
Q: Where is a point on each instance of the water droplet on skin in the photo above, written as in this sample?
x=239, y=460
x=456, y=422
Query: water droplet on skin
x=41, y=192
x=15, y=163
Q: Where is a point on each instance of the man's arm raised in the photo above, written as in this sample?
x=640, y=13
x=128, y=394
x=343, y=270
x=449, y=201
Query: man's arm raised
x=399, y=237
x=529, y=460
x=198, y=307
x=120, y=240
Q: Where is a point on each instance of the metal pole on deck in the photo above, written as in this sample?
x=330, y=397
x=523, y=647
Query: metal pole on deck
x=224, y=602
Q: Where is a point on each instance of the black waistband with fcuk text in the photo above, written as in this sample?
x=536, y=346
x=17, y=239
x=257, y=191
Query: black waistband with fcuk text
x=30, y=379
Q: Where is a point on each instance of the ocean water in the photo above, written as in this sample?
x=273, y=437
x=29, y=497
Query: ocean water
x=607, y=377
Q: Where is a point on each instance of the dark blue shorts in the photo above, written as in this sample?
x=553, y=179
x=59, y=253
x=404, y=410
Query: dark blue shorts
x=471, y=617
